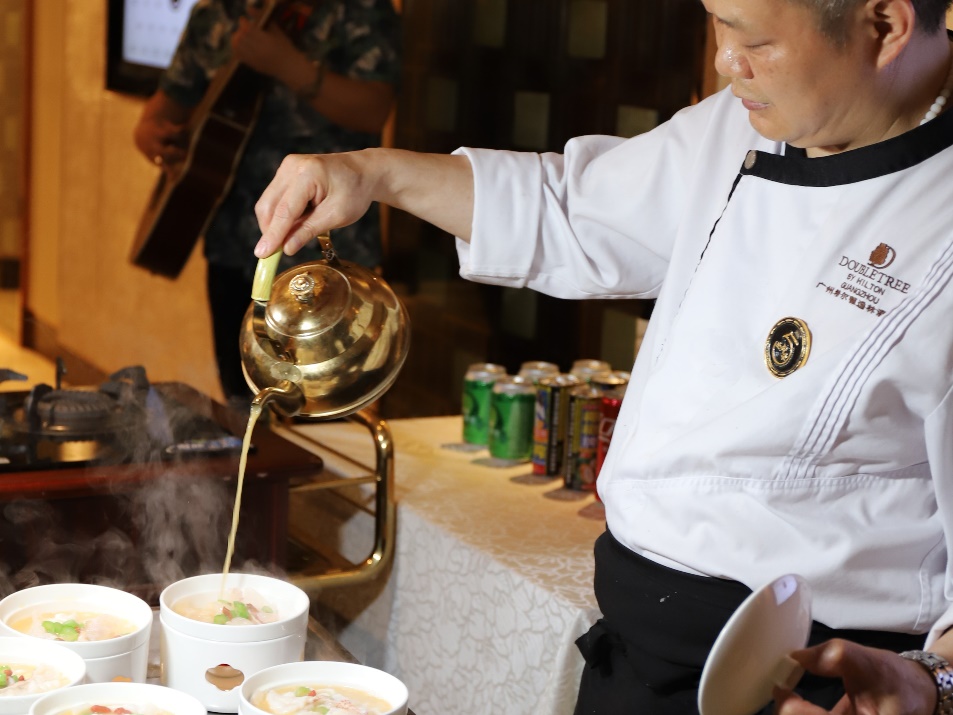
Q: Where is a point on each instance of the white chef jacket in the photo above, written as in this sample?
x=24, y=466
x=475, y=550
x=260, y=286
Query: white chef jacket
x=841, y=471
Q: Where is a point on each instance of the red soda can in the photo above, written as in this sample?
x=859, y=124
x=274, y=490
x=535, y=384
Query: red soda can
x=608, y=414
x=549, y=423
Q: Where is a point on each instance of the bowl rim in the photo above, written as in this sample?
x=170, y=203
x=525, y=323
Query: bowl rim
x=185, y=704
x=35, y=651
x=93, y=596
x=290, y=673
x=295, y=623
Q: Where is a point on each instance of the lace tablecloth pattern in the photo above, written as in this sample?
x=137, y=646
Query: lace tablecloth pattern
x=492, y=577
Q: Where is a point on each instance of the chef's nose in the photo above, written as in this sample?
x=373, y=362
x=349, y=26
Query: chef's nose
x=731, y=62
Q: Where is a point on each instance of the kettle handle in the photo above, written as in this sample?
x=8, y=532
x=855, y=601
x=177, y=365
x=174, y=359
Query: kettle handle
x=265, y=276
x=267, y=267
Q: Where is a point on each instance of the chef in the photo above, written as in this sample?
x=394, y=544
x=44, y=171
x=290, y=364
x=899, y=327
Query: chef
x=791, y=408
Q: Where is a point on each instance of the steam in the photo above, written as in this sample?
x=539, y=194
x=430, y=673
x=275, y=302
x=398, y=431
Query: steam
x=171, y=524
x=49, y=549
x=182, y=522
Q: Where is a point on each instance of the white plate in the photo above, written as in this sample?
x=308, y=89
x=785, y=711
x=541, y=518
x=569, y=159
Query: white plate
x=751, y=654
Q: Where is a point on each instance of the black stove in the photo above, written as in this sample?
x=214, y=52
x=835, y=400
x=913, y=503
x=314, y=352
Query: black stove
x=125, y=419
x=132, y=483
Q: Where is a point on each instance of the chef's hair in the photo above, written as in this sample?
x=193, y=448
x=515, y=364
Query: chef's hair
x=832, y=15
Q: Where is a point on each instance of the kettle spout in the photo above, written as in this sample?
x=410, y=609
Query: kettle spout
x=286, y=397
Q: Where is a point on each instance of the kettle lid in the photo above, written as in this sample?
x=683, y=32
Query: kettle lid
x=307, y=302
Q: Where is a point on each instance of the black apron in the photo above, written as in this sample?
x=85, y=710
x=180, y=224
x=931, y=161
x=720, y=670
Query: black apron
x=645, y=655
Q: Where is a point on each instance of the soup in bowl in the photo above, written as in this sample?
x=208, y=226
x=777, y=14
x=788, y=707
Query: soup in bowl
x=319, y=686
x=118, y=699
x=30, y=669
x=215, y=633
x=107, y=627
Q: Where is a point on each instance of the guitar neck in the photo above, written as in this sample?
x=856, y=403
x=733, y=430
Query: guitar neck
x=222, y=81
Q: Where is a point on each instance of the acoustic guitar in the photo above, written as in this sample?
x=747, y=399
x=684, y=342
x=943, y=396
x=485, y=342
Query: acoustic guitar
x=184, y=201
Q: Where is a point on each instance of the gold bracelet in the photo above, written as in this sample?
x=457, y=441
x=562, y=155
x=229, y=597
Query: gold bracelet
x=314, y=89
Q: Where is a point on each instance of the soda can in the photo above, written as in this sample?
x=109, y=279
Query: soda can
x=549, y=423
x=585, y=409
x=608, y=414
x=512, y=404
x=585, y=369
x=477, y=387
x=606, y=381
x=536, y=370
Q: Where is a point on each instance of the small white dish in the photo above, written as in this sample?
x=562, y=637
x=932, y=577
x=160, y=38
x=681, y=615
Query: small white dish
x=30, y=652
x=193, y=652
x=326, y=672
x=134, y=697
x=124, y=657
x=752, y=653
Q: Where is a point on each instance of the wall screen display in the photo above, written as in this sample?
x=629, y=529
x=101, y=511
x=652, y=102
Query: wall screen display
x=151, y=30
x=141, y=38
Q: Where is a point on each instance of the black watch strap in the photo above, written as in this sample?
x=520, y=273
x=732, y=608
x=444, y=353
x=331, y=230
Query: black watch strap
x=942, y=673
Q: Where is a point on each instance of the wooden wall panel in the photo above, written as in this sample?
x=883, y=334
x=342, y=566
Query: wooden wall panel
x=525, y=75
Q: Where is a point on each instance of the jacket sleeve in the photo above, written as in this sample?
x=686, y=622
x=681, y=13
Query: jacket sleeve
x=600, y=219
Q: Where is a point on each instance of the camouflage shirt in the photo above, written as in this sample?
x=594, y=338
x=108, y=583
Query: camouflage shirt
x=356, y=38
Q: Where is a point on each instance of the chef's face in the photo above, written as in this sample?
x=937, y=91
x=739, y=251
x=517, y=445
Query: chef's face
x=798, y=85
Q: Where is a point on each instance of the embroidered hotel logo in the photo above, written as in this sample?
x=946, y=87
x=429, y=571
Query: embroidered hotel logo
x=882, y=256
x=866, y=285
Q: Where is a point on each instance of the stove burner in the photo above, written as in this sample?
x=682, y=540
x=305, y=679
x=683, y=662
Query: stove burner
x=75, y=411
x=125, y=420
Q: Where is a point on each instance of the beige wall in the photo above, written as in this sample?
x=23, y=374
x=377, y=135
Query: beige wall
x=88, y=186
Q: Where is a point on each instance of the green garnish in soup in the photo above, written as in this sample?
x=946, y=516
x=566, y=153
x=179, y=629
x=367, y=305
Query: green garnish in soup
x=65, y=631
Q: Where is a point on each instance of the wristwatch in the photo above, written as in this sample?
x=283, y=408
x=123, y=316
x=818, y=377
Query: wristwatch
x=942, y=673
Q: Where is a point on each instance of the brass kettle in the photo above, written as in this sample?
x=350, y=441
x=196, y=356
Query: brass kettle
x=323, y=339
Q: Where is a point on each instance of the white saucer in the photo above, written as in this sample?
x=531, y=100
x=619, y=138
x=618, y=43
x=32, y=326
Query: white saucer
x=750, y=655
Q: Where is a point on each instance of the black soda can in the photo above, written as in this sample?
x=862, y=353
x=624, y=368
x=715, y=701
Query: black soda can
x=549, y=424
x=585, y=405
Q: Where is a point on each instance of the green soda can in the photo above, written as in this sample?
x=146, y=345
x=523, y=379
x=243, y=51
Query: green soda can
x=477, y=387
x=585, y=369
x=537, y=370
x=512, y=406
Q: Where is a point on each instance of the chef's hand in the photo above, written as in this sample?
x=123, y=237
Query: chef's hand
x=314, y=193
x=310, y=195
x=877, y=682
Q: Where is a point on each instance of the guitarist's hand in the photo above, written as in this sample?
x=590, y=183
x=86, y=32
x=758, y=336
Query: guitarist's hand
x=161, y=133
x=268, y=51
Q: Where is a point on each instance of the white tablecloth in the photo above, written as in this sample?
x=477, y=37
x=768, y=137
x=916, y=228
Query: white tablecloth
x=492, y=577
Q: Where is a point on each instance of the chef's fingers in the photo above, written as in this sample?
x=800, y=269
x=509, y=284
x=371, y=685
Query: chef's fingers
x=285, y=208
x=310, y=195
x=788, y=703
x=875, y=680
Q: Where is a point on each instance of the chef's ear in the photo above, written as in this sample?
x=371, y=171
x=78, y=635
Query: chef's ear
x=890, y=24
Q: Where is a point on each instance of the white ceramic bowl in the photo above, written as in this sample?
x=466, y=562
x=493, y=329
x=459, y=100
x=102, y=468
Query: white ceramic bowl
x=115, y=694
x=124, y=657
x=326, y=672
x=190, y=649
x=34, y=652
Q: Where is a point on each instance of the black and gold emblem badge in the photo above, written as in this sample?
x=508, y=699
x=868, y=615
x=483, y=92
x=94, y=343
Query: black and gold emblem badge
x=787, y=347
